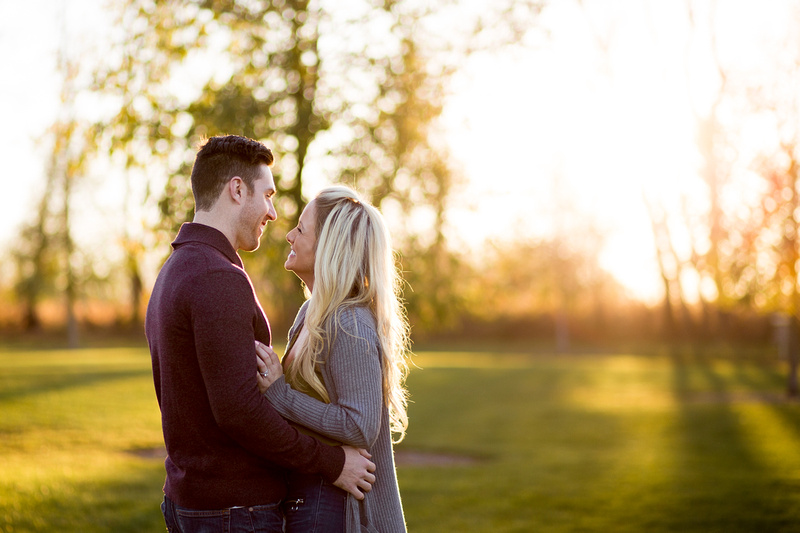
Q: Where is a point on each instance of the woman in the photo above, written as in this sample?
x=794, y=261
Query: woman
x=345, y=363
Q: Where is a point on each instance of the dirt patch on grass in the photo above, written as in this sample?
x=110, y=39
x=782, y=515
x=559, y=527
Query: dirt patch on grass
x=157, y=452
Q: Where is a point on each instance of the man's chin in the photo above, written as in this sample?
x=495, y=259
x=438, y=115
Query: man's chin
x=251, y=247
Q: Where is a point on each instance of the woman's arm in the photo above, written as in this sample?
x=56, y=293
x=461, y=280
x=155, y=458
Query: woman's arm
x=353, y=377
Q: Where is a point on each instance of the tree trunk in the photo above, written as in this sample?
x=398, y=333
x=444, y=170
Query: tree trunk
x=793, y=357
x=70, y=290
x=562, y=332
x=137, y=286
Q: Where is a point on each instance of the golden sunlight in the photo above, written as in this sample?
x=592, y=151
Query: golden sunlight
x=578, y=130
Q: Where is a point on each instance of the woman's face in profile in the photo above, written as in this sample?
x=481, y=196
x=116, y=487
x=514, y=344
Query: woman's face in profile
x=303, y=241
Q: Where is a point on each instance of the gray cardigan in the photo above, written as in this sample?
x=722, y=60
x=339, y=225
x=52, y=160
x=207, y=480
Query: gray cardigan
x=357, y=416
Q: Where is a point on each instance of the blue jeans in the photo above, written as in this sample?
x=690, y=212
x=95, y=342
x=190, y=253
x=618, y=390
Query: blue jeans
x=255, y=519
x=313, y=505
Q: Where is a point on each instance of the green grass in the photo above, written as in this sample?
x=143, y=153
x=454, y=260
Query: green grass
x=612, y=443
x=70, y=420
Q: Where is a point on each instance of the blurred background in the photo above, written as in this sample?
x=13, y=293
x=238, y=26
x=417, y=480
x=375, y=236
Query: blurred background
x=595, y=205
x=573, y=173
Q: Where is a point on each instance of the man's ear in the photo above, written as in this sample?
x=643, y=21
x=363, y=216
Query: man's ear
x=235, y=189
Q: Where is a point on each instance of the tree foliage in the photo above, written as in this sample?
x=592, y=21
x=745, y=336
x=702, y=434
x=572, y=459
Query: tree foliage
x=348, y=94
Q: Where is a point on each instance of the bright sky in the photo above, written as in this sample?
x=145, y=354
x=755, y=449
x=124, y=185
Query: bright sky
x=602, y=112
x=589, y=117
x=30, y=32
x=28, y=100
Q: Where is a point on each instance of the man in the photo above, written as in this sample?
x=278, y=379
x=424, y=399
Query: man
x=227, y=447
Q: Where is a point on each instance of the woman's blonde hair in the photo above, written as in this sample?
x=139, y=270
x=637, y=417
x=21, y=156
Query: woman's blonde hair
x=354, y=265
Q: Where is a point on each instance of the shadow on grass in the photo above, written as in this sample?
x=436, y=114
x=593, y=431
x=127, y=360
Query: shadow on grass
x=37, y=382
x=127, y=503
x=534, y=444
x=720, y=482
x=786, y=408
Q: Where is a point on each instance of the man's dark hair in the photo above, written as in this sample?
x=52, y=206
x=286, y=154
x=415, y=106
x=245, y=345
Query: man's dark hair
x=220, y=159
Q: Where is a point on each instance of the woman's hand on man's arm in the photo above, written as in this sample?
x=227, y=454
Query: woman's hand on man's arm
x=269, y=366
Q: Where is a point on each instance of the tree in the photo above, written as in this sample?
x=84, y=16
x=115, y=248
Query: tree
x=677, y=323
x=354, y=92
x=764, y=244
x=781, y=235
x=47, y=260
x=35, y=270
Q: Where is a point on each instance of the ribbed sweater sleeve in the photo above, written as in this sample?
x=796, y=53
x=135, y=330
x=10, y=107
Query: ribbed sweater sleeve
x=354, y=371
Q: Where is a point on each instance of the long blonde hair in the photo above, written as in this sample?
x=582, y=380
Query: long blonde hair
x=354, y=265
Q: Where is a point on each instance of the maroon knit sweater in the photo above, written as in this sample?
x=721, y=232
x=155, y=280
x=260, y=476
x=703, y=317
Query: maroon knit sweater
x=226, y=445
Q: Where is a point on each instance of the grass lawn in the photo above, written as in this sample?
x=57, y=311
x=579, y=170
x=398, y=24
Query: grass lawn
x=611, y=443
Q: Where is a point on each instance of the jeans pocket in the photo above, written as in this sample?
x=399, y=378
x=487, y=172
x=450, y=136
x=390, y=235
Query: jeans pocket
x=196, y=521
x=266, y=518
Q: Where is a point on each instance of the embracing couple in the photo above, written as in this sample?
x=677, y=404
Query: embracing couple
x=258, y=444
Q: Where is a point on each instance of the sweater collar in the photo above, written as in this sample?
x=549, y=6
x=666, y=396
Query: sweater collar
x=200, y=233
